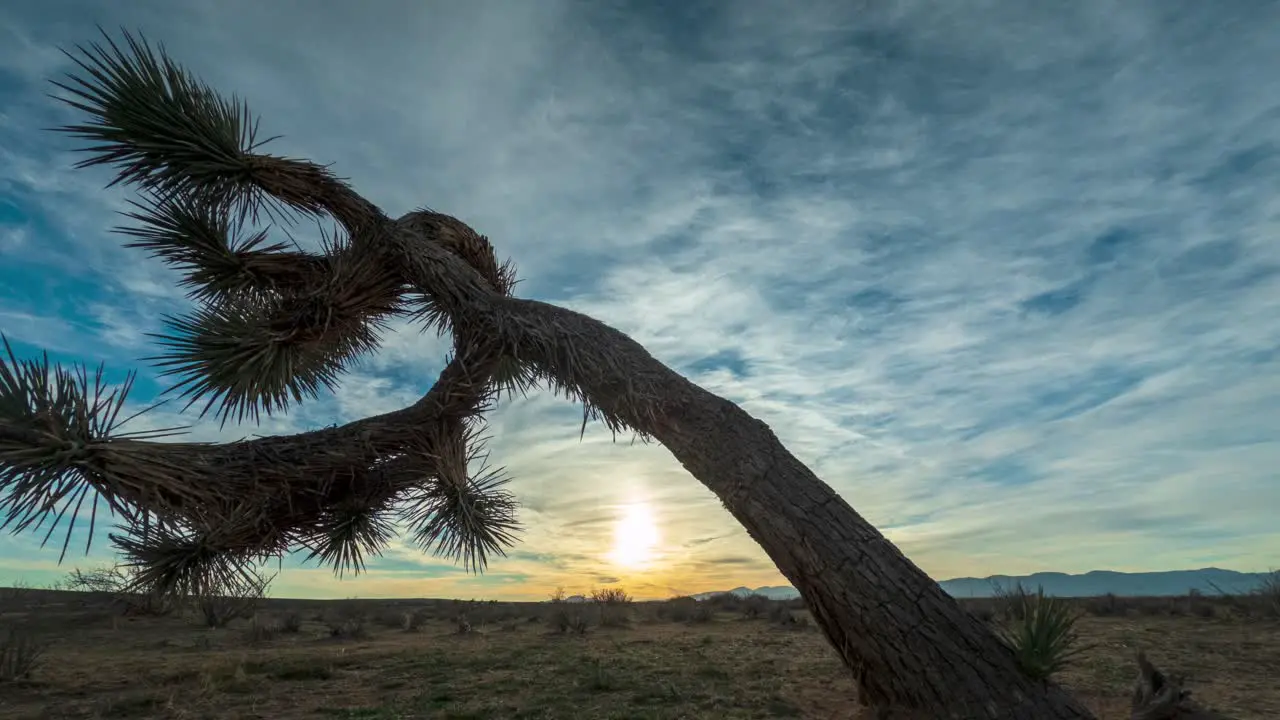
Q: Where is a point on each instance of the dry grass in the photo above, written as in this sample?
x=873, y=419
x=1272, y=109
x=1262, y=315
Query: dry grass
x=513, y=664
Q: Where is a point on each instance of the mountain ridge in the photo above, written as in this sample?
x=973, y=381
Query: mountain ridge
x=1093, y=583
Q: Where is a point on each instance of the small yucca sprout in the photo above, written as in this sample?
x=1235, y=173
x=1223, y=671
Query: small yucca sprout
x=1043, y=635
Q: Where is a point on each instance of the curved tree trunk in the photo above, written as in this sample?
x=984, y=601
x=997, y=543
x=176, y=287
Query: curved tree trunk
x=914, y=651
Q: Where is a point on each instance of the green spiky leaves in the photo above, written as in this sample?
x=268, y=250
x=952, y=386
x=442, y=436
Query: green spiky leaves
x=204, y=240
x=271, y=327
x=54, y=425
x=161, y=127
x=347, y=533
x=253, y=355
x=459, y=514
x=168, y=561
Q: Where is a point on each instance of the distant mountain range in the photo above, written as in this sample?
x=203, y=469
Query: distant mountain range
x=1091, y=584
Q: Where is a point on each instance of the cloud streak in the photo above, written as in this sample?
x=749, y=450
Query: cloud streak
x=1003, y=274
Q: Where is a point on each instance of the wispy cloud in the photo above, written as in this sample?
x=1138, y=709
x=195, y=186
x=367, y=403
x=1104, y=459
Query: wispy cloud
x=1004, y=274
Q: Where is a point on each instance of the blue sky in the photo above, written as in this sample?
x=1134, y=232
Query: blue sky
x=1003, y=273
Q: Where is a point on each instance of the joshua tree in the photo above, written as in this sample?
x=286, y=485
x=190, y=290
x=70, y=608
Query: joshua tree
x=275, y=324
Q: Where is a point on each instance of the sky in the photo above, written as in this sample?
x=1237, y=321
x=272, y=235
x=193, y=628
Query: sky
x=1004, y=274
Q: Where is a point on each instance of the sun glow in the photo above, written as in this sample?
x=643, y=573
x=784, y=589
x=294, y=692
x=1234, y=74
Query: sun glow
x=634, y=537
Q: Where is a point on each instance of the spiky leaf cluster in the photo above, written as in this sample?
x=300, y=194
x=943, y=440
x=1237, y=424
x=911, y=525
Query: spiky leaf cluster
x=272, y=326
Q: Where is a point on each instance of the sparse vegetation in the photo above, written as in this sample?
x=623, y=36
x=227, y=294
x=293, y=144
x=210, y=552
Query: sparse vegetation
x=728, y=666
x=614, y=605
x=121, y=584
x=346, y=620
x=20, y=653
x=237, y=600
x=291, y=622
x=1267, y=596
x=261, y=629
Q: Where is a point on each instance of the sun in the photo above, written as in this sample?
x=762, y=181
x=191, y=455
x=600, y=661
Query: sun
x=635, y=536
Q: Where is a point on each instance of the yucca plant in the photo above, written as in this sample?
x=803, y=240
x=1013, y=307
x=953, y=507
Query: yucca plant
x=1042, y=634
x=274, y=325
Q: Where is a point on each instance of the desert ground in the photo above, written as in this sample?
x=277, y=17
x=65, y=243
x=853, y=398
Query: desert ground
x=672, y=659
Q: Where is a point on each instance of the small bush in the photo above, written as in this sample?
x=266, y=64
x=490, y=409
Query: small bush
x=615, y=616
x=347, y=620
x=610, y=596
x=463, y=625
x=238, y=600
x=755, y=606
x=725, y=602
x=678, y=609
x=413, y=620
x=118, y=582
x=1106, y=606
x=565, y=618
x=291, y=622
x=1042, y=634
x=261, y=630
x=1267, y=596
x=20, y=654
x=703, y=613
x=614, y=606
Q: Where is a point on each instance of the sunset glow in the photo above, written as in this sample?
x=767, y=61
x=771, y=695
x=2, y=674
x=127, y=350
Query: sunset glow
x=634, y=537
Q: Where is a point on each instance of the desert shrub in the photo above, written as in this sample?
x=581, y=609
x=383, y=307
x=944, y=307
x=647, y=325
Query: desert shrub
x=350, y=628
x=610, y=596
x=291, y=622
x=413, y=620
x=779, y=613
x=1266, y=598
x=703, y=613
x=239, y=599
x=462, y=624
x=1106, y=606
x=725, y=602
x=614, y=606
x=1198, y=605
x=118, y=582
x=615, y=616
x=347, y=620
x=20, y=653
x=1151, y=609
x=566, y=618
x=755, y=606
x=261, y=630
x=678, y=609
x=1041, y=632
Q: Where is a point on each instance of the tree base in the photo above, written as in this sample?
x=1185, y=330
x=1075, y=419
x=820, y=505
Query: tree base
x=1156, y=696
